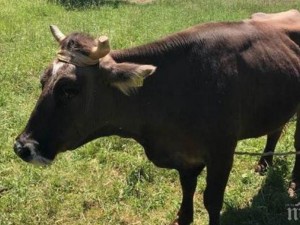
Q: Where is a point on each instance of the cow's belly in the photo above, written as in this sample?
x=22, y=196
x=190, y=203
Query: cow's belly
x=256, y=124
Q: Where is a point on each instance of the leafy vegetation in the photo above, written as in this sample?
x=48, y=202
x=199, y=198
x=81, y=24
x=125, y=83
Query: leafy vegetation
x=110, y=181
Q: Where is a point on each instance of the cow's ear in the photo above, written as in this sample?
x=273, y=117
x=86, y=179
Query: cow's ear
x=127, y=77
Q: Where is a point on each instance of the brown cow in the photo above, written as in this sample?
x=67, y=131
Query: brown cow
x=187, y=98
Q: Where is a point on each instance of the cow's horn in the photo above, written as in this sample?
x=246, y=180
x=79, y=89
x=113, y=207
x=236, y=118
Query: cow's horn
x=58, y=35
x=102, y=49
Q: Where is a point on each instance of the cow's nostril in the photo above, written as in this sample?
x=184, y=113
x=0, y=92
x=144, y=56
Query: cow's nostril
x=22, y=151
x=18, y=147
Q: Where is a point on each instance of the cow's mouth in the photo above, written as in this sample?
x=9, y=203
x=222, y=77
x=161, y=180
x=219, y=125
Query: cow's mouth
x=29, y=153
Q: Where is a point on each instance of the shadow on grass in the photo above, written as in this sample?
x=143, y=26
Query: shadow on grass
x=83, y=4
x=269, y=206
x=86, y=4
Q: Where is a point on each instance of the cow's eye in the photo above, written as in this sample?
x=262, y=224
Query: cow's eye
x=69, y=92
x=66, y=93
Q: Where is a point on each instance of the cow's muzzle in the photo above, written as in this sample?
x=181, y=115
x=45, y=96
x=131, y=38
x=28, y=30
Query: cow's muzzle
x=28, y=151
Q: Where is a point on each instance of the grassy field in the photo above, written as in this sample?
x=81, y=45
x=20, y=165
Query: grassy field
x=110, y=181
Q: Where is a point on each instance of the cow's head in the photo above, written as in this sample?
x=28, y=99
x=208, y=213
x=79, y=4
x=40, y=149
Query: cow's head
x=80, y=93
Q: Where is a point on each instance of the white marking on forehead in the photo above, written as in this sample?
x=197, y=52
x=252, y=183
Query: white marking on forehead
x=56, y=66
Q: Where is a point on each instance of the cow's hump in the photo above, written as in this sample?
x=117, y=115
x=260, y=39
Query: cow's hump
x=288, y=20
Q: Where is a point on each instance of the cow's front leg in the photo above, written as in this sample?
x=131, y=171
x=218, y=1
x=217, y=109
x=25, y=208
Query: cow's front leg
x=188, y=180
x=218, y=170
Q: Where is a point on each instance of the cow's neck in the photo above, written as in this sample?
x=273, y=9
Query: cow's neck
x=131, y=110
x=125, y=119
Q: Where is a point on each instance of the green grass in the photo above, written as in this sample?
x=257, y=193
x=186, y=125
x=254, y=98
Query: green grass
x=110, y=181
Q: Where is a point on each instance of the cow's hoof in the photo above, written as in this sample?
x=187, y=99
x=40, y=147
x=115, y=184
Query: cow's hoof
x=182, y=221
x=261, y=169
x=175, y=222
x=292, y=190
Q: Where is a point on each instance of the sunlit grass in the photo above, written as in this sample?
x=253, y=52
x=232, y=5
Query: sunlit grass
x=110, y=181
